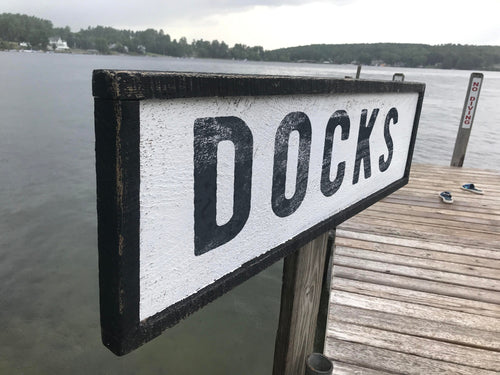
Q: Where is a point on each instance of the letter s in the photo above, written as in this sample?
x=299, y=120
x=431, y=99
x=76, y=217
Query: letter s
x=392, y=115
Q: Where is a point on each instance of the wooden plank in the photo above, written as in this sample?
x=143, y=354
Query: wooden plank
x=431, y=286
x=417, y=311
x=464, y=198
x=440, y=180
x=423, y=263
x=419, y=243
x=416, y=283
x=452, y=177
x=418, y=297
x=440, y=221
x=490, y=190
x=490, y=182
x=444, y=214
x=419, y=253
x=417, y=327
x=485, y=241
x=436, y=203
x=300, y=298
x=442, y=276
x=430, y=169
x=432, y=196
x=438, y=174
x=422, y=347
x=461, y=200
x=395, y=362
x=408, y=212
x=450, y=234
x=415, y=189
x=341, y=368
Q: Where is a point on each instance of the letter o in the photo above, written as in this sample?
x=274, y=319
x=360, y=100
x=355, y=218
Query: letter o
x=299, y=121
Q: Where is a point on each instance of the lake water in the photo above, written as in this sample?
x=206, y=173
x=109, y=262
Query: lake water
x=49, y=315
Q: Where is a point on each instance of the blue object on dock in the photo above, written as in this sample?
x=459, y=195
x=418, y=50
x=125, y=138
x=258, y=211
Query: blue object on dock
x=471, y=188
x=446, y=197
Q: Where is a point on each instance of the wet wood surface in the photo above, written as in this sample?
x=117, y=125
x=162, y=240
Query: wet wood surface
x=416, y=282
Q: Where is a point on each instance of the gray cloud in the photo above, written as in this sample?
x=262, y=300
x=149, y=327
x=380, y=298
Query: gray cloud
x=142, y=14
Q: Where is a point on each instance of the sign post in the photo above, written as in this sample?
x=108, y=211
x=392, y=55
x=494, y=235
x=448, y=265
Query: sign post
x=465, y=127
x=203, y=180
x=300, y=301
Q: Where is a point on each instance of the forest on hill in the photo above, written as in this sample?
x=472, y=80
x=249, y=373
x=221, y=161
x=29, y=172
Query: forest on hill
x=448, y=56
x=35, y=32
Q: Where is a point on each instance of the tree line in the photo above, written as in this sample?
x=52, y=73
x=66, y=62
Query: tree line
x=447, y=56
x=16, y=28
x=36, y=32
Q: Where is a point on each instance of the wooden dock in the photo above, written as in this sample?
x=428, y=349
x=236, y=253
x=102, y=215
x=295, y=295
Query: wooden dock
x=416, y=282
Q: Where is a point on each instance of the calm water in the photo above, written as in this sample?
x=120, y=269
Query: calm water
x=49, y=321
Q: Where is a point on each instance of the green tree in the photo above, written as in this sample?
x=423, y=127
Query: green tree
x=101, y=45
x=23, y=28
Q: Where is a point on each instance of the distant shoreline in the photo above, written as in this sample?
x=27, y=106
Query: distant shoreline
x=154, y=55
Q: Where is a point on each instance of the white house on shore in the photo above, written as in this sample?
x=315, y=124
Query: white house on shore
x=60, y=45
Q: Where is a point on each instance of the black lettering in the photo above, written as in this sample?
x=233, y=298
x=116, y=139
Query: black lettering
x=363, y=149
x=208, y=133
x=392, y=115
x=328, y=187
x=299, y=121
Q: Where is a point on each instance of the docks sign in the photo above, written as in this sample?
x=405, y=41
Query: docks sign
x=203, y=180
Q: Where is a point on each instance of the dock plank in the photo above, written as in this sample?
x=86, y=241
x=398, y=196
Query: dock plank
x=417, y=311
x=471, y=260
x=420, y=243
x=393, y=361
x=418, y=327
x=341, y=368
x=422, y=263
x=416, y=282
x=422, y=347
x=418, y=297
x=431, y=286
x=418, y=273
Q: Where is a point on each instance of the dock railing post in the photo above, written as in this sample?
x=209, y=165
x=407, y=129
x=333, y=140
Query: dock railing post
x=303, y=273
x=465, y=126
x=358, y=72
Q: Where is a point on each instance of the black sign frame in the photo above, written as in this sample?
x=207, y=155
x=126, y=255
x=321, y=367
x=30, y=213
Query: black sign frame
x=116, y=98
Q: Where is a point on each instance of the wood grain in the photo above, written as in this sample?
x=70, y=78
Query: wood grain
x=426, y=328
x=300, y=299
x=395, y=362
x=416, y=283
x=423, y=347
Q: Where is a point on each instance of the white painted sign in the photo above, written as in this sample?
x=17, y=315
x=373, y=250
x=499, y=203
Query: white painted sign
x=344, y=147
x=471, y=101
x=203, y=180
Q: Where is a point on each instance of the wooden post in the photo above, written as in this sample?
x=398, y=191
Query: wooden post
x=324, y=303
x=465, y=126
x=300, y=298
x=358, y=72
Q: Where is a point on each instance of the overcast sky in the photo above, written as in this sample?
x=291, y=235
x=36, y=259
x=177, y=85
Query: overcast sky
x=282, y=23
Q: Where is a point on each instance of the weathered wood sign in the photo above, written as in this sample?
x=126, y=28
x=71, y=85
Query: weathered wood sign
x=203, y=180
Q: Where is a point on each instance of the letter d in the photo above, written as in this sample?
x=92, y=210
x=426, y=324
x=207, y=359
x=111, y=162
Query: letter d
x=208, y=133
